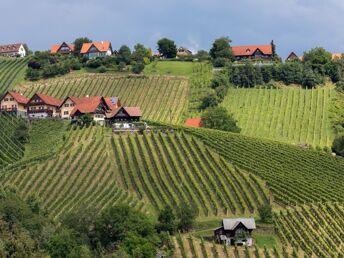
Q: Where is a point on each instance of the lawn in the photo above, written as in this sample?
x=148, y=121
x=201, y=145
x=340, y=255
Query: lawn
x=265, y=239
x=170, y=68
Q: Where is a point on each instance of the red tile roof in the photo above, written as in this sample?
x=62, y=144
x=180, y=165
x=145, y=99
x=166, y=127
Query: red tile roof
x=102, y=46
x=55, y=48
x=249, y=50
x=17, y=97
x=49, y=100
x=194, y=122
x=10, y=48
x=132, y=111
x=87, y=104
x=112, y=102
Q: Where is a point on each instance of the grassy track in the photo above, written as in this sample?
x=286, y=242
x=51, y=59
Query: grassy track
x=289, y=115
x=177, y=68
x=161, y=98
x=11, y=72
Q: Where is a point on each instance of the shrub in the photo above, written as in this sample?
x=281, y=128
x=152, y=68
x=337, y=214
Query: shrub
x=93, y=63
x=101, y=69
x=210, y=100
x=338, y=145
x=265, y=213
x=138, y=67
x=219, y=118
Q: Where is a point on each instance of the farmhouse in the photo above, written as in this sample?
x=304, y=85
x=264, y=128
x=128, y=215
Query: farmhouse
x=235, y=231
x=43, y=106
x=96, y=49
x=253, y=52
x=63, y=48
x=14, y=50
x=292, y=57
x=14, y=103
x=182, y=51
x=124, y=114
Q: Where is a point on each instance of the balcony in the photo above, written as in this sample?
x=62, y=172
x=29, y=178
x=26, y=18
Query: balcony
x=35, y=111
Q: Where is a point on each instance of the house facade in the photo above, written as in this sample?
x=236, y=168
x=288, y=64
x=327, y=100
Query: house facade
x=124, y=114
x=41, y=106
x=293, y=57
x=235, y=231
x=14, y=103
x=182, y=51
x=253, y=52
x=63, y=48
x=14, y=50
x=96, y=49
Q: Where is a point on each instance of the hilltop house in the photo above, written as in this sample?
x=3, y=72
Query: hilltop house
x=43, y=106
x=96, y=49
x=292, y=57
x=182, y=51
x=97, y=107
x=235, y=231
x=14, y=50
x=14, y=103
x=336, y=56
x=124, y=114
x=253, y=52
x=63, y=48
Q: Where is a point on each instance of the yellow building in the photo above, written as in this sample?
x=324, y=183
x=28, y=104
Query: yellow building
x=14, y=103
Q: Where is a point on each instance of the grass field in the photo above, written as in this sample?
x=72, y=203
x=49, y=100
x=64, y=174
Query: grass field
x=177, y=68
x=11, y=72
x=161, y=98
x=295, y=116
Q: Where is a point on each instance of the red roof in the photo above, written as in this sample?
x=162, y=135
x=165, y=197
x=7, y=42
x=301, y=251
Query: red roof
x=102, y=46
x=249, y=50
x=17, y=96
x=112, y=102
x=55, y=48
x=10, y=48
x=48, y=100
x=132, y=111
x=194, y=122
x=86, y=104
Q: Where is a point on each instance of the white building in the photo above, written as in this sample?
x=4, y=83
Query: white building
x=18, y=49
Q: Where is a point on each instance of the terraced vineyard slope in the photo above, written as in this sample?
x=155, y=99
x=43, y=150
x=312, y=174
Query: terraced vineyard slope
x=296, y=116
x=161, y=98
x=316, y=229
x=11, y=71
x=293, y=175
x=10, y=149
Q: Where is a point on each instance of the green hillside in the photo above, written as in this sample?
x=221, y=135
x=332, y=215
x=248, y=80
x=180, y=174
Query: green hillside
x=161, y=98
x=10, y=149
x=11, y=72
x=296, y=116
x=177, y=68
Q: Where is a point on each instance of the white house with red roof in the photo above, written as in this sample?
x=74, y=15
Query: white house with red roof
x=42, y=106
x=63, y=48
x=17, y=49
x=254, y=51
x=96, y=49
x=14, y=103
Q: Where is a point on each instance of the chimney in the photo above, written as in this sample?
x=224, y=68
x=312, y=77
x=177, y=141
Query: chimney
x=102, y=42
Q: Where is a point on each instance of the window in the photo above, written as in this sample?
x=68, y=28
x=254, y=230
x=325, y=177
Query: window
x=11, y=99
x=6, y=99
x=66, y=105
x=65, y=113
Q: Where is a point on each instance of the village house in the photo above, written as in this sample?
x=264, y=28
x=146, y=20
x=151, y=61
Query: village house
x=253, y=52
x=336, y=56
x=97, y=107
x=292, y=57
x=63, y=48
x=14, y=50
x=182, y=51
x=14, y=103
x=43, y=106
x=124, y=114
x=235, y=231
x=96, y=49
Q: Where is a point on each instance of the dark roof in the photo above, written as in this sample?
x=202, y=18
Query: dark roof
x=48, y=99
x=10, y=48
x=131, y=111
x=231, y=224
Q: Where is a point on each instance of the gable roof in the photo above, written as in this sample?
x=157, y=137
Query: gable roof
x=231, y=224
x=47, y=99
x=131, y=111
x=10, y=48
x=17, y=96
x=102, y=46
x=292, y=55
x=86, y=104
x=55, y=48
x=250, y=50
x=112, y=102
x=194, y=122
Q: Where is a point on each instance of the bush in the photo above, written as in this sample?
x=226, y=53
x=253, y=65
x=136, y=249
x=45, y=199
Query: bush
x=210, y=100
x=219, y=118
x=101, y=69
x=32, y=74
x=338, y=145
x=94, y=63
x=265, y=213
x=138, y=67
x=340, y=86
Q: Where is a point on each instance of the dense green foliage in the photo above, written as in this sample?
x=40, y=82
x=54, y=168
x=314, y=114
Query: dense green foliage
x=79, y=42
x=219, y=118
x=11, y=72
x=159, y=98
x=338, y=145
x=221, y=52
x=167, y=48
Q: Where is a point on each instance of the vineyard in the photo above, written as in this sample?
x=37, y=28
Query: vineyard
x=316, y=229
x=10, y=149
x=293, y=175
x=296, y=116
x=11, y=71
x=161, y=98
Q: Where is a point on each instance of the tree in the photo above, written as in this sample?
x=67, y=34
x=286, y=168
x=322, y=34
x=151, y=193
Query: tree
x=210, y=100
x=137, y=67
x=318, y=58
x=309, y=79
x=139, y=53
x=219, y=118
x=338, y=145
x=21, y=132
x=221, y=52
x=167, y=48
x=85, y=120
x=124, y=55
x=202, y=55
x=186, y=214
x=167, y=221
x=265, y=213
x=79, y=42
